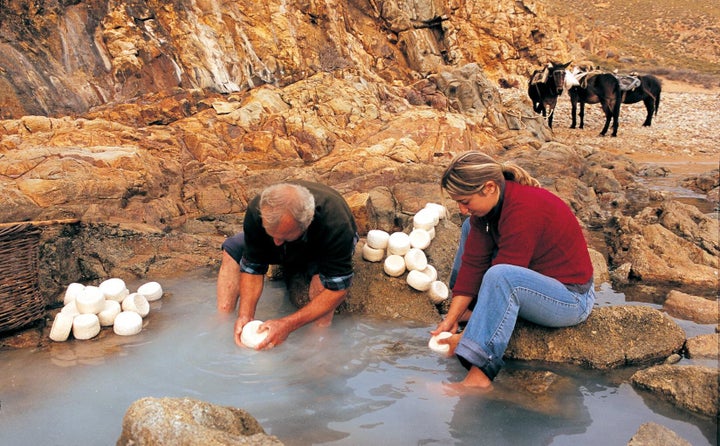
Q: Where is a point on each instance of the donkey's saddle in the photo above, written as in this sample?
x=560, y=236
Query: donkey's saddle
x=628, y=82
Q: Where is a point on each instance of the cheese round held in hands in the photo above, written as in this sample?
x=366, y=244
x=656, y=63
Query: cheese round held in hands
x=250, y=337
x=440, y=348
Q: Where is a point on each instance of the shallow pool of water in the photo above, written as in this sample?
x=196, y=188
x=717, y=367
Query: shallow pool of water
x=362, y=381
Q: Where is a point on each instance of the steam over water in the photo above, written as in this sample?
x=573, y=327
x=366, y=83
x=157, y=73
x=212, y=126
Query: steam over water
x=362, y=381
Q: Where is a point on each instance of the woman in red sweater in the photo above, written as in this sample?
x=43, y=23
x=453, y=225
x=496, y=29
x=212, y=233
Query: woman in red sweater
x=522, y=253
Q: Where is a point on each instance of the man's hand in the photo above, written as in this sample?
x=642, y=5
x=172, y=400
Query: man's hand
x=278, y=331
x=239, y=324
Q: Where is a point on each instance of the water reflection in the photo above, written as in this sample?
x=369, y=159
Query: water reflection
x=362, y=381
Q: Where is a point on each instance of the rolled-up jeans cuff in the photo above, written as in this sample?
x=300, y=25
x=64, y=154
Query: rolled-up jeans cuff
x=470, y=353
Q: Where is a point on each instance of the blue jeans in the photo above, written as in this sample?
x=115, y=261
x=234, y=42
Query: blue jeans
x=506, y=293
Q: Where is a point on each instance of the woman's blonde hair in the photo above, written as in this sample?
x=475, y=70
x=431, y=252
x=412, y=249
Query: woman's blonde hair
x=469, y=171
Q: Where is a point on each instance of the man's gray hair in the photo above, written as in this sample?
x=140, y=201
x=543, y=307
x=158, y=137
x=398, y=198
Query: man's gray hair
x=286, y=198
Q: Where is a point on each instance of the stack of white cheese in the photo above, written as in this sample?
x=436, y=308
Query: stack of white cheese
x=89, y=308
x=404, y=252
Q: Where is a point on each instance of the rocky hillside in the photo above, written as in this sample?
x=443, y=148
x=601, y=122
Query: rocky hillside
x=676, y=39
x=60, y=58
x=154, y=123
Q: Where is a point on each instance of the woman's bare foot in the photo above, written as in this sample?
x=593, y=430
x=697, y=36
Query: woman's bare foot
x=476, y=378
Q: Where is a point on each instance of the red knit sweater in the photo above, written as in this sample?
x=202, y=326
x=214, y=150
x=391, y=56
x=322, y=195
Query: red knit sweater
x=531, y=227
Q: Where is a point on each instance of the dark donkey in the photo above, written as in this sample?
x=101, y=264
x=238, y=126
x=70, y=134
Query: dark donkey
x=648, y=92
x=544, y=88
x=596, y=87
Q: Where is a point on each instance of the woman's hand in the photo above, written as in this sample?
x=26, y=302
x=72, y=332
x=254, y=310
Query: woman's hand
x=445, y=325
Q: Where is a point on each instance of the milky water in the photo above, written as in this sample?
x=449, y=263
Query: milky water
x=362, y=381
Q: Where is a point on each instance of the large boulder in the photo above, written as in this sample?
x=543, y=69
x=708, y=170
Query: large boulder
x=189, y=422
x=611, y=337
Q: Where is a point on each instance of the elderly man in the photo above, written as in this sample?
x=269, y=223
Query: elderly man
x=307, y=228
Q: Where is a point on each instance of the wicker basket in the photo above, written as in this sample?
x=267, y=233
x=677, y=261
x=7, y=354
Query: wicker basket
x=20, y=299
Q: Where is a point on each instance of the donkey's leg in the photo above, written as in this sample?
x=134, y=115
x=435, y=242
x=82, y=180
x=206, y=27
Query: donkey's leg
x=551, y=111
x=573, y=110
x=608, y=116
x=649, y=102
x=582, y=114
x=615, y=103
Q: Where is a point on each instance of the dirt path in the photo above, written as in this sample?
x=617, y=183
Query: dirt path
x=684, y=137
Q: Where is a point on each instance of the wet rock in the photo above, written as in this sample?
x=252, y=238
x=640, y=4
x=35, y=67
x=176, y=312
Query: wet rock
x=153, y=421
x=704, y=346
x=657, y=254
x=692, y=308
x=652, y=434
x=690, y=387
x=611, y=337
x=539, y=391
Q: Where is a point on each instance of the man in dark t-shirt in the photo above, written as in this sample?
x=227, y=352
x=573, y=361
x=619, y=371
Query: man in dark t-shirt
x=307, y=228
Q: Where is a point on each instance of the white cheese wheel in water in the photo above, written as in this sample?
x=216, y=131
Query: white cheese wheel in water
x=418, y=280
x=419, y=238
x=415, y=259
x=91, y=301
x=371, y=254
x=394, y=265
x=438, y=292
x=61, y=327
x=72, y=292
x=136, y=302
x=151, y=290
x=127, y=323
x=85, y=326
x=377, y=239
x=114, y=289
x=109, y=313
x=250, y=337
x=440, y=348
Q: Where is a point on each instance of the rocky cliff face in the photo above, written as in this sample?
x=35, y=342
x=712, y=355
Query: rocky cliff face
x=154, y=123
x=65, y=57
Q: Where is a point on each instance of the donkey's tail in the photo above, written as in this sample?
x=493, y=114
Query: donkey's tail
x=657, y=102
